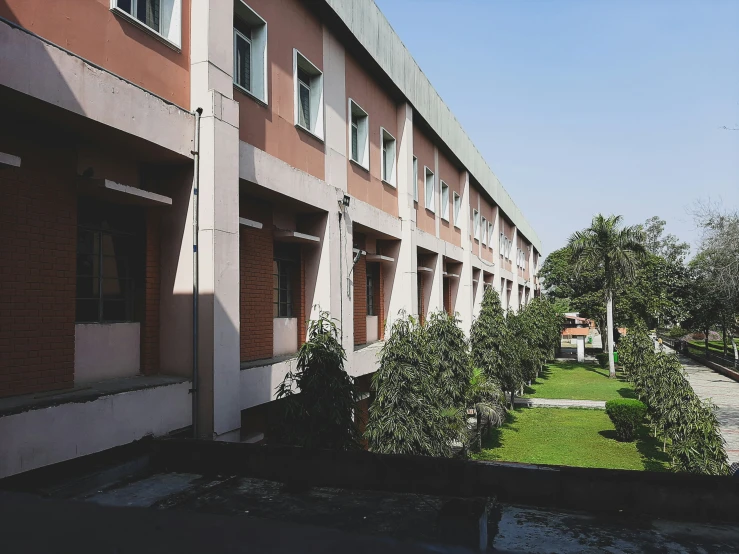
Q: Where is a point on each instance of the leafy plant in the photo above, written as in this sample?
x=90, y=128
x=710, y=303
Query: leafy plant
x=626, y=414
x=489, y=404
x=602, y=358
x=409, y=415
x=451, y=358
x=321, y=415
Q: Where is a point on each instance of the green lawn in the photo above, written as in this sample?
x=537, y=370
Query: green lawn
x=715, y=345
x=577, y=381
x=572, y=437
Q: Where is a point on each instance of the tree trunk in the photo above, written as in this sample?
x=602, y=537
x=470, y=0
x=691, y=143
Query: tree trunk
x=513, y=399
x=705, y=342
x=723, y=331
x=609, y=315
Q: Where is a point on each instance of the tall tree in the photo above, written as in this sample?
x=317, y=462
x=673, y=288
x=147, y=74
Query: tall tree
x=617, y=251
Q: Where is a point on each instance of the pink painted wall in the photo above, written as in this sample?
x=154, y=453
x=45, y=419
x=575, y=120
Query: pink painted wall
x=474, y=201
x=423, y=149
x=91, y=30
x=488, y=212
x=272, y=128
x=382, y=111
x=449, y=173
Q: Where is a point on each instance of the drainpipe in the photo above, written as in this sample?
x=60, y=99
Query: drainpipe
x=195, y=271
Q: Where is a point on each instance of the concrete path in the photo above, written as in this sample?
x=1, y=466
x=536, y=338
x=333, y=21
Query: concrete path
x=560, y=403
x=723, y=392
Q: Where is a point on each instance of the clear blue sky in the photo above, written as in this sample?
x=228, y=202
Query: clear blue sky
x=586, y=106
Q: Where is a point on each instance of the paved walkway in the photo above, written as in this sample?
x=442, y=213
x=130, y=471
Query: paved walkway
x=560, y=403
x=723, y=392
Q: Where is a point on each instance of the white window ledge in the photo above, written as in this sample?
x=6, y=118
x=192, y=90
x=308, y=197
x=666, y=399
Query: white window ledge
x=359, y=165
x=251, y=95
x=306, y=130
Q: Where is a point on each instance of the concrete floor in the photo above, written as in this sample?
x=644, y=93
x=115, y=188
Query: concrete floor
x=175, y=512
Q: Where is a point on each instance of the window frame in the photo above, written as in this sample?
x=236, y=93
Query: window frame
x=173, y=38
x=238, y=33
x=457, y=209
x=316, y=95
x=258, y=61
x=290, y=300
x=370, y=292
x=363, y=145
x=385, y=136
x=444, y=210
x=429, y=198
x=484, y=230
x=476, y=225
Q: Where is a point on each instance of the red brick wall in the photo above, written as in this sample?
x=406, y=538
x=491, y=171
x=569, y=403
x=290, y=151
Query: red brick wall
x=380, y=303
x=150, y=321
x=38, y=226
x=256, y=259
x=360, y=301
x=447, y=296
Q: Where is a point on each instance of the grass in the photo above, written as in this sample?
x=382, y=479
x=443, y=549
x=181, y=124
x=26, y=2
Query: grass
x=715, y=345
x=572, y=437
x=578, y=381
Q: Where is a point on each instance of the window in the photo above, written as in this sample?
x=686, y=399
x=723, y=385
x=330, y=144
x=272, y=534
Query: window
x=457, y=208
x=283, y=292
x=110, y=262
x=476, y=224
x=308, y=95
x=444, y=201
x=387, y=155
x=429, y=188
x=162, y=17
x=415, y=179
x=484, y=239
x=372, y=281
x=358, y=135
x=250, y=52
x=490, y=234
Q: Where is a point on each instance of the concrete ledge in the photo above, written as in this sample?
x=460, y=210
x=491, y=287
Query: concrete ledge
x=47, y=72
x=85, y=425
x=260, y=379
x=678, y=496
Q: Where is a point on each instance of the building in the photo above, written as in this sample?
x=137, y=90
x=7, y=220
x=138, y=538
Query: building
x=330, y=176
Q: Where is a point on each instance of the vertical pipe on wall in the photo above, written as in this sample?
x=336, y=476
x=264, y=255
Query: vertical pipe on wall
x=195, y=271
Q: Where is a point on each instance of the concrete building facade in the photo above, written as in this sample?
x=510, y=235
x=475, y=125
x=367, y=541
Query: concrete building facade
x=253, y=162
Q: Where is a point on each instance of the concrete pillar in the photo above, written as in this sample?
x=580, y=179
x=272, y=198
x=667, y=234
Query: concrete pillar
x=436, y=296
x=496, y=250
x=465, y=300
x=580, y=348
x=404, y=293
x=219, y=323
x=514, y=304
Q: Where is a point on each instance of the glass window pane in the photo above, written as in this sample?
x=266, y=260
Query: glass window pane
x=147, y=11
x=114, y=310
x=87, y=311
x=304, y=107
x=243, y=62
x=125, y=5
x=355, y=142
x=87, y=287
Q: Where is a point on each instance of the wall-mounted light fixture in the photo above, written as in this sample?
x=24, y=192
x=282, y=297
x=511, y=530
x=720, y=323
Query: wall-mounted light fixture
x=346, y=200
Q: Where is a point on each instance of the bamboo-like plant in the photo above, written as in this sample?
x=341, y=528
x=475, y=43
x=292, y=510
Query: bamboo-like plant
x=688, y=427
x=409, y=415
x=322, y=414
x=488, y=401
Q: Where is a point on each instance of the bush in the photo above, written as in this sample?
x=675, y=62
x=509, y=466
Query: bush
x=602, y=358
x=626, y=414
x=676, y=332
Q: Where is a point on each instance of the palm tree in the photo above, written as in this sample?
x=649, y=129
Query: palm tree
x=613, y=250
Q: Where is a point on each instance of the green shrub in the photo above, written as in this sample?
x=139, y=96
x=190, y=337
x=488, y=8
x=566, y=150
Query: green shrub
x=626, y=414
x=602, y=358
x=676, y=332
